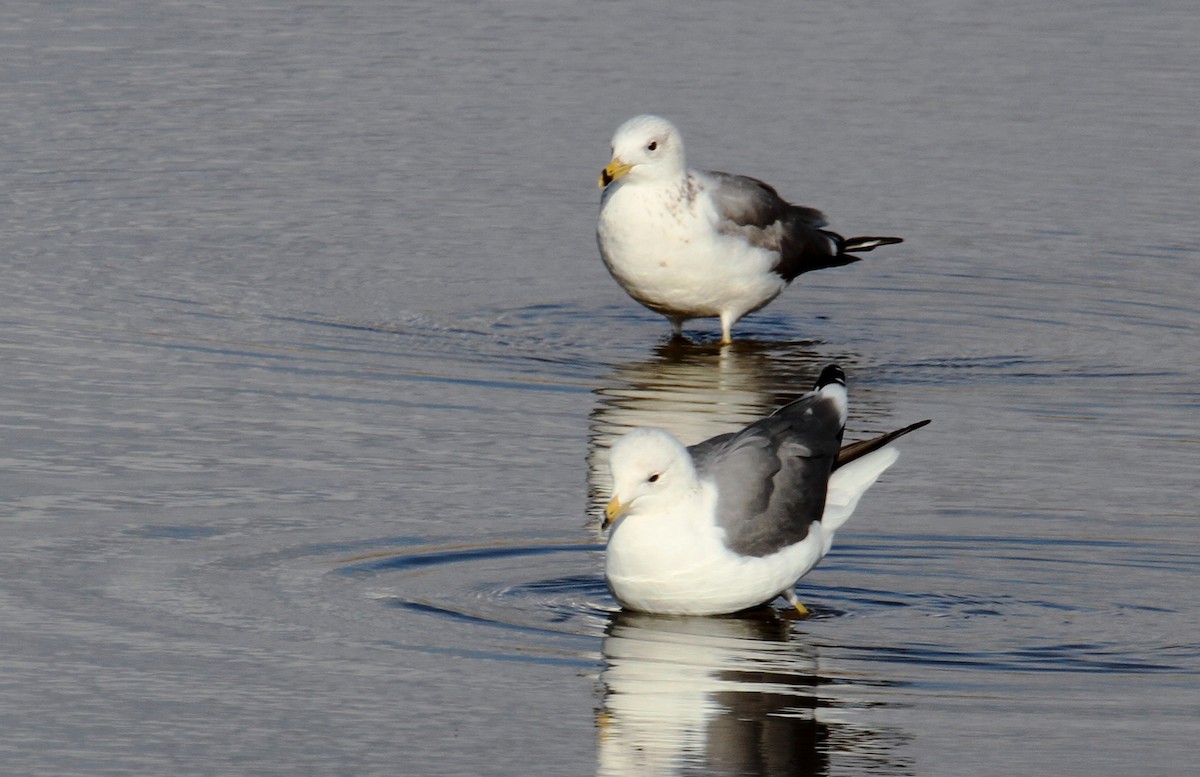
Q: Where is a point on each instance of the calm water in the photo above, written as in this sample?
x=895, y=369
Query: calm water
x=310, y=367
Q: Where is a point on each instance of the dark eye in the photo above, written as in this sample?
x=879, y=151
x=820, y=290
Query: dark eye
x=653, y=478
x=653, y=145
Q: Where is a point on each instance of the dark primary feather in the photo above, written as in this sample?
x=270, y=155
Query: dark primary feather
x=773, y=474
x=753, y=210
x=856, y=450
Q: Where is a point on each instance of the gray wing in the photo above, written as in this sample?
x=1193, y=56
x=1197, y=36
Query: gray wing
x=754, y=211
x=772, y=476
x=702, y=452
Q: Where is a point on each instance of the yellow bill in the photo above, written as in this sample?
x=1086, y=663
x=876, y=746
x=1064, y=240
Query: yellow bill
x=613, y=511
x=615, y=170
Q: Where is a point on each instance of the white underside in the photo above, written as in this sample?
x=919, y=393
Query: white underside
x=666, y=253
x=677, y=562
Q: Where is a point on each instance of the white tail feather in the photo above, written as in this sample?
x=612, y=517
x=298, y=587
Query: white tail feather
x=847, y=484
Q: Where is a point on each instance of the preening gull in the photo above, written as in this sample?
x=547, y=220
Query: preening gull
x=702, y=244
x=735, y=521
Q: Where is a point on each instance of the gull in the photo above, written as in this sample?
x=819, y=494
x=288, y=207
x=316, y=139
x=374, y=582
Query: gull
x=735, y=521
x=703, y=244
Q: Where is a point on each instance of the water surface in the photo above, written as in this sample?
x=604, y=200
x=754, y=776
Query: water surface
x=310, y=368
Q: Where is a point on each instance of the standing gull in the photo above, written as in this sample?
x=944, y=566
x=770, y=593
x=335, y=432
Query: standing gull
x=702, y=244
x=736, y=520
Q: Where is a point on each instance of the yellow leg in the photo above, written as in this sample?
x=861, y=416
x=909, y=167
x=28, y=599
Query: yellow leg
x=603, y=724
x=800, y=608
x=726, y=329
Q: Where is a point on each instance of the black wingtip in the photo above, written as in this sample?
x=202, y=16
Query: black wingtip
x=868, y=243
x=857, y=450
x=831, y=374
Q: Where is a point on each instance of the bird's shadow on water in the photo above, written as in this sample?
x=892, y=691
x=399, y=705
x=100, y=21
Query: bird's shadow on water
x=699, y=389
x=739, y=694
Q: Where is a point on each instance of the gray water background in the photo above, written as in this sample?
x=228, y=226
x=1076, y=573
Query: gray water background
x=308, y=365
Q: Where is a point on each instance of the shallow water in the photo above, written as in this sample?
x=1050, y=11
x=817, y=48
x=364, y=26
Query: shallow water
x=310, y=368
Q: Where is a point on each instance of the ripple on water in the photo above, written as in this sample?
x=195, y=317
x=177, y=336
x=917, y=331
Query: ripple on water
x=983, y=604
x=703, y=691
x=938, y=618
x=533, y=602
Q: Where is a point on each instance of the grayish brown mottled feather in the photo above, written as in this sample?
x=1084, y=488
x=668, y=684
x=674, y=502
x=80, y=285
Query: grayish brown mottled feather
x=754, y=211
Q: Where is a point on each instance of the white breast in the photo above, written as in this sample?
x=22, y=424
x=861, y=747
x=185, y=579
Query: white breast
x=665, y=251
x=678, y=563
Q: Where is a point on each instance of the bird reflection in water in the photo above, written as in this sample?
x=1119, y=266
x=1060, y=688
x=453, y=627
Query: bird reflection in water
x=731, y=695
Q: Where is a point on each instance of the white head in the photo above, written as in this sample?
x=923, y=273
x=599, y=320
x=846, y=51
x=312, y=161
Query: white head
x=645, y=148
x=651, y=470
